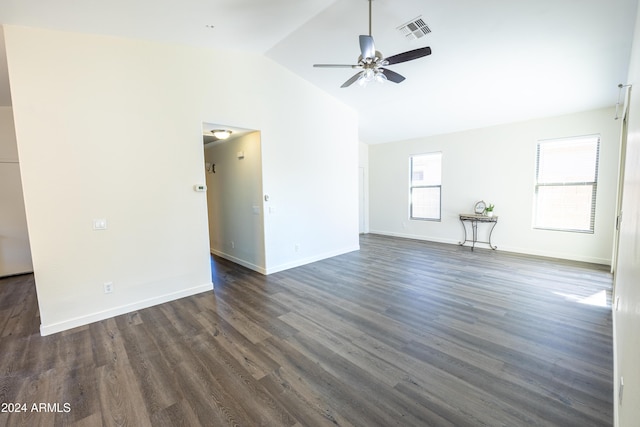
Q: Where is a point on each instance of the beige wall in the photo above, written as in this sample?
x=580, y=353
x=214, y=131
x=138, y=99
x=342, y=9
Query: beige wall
x=15, y=253
x=123, y=142
x=497, y=165
x=626, y=318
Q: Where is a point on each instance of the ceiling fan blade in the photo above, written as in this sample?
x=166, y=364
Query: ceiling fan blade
x=408, y=56
x=367, y=47
x=392, y=75
x=335, y=66
x=352, y=79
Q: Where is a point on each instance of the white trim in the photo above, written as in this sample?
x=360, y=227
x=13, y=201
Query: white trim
x=547, y=254
x=123, y=309
x=414, y=237
x=559, y=255
x=309, y=260
x=288, y=265
x=237, y=260
x=19, y=273
x=616, y=368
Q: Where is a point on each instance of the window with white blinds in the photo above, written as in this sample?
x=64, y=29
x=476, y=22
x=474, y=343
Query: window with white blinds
x=425, y=186
x=566, y=184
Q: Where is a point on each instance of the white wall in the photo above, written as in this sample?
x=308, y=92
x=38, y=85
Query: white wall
x=310, y=173
x=626, y=320
x=497, y=165
x=363, y=157
x=111, y=128
x=234, y=193
x=15, y=253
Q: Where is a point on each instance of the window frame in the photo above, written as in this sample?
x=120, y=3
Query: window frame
x=593, y=184
x=412, y=187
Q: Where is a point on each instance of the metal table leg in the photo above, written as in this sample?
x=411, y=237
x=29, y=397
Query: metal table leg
x=465, y=234
x=493, y=225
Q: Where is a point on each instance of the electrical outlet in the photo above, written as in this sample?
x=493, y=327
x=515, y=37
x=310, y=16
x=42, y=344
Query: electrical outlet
x=297, y=247
x=100, y=224
x=233, y=244
x=617, y=303
x=108, y=287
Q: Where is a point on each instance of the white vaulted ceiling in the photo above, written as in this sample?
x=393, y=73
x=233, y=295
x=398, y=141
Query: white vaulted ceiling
x=493, y=62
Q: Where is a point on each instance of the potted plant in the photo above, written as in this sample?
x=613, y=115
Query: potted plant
x=489, y=210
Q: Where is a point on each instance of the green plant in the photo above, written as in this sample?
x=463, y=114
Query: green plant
x=489, y=208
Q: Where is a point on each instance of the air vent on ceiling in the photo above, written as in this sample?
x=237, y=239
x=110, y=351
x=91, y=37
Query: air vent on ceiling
x=414, y=29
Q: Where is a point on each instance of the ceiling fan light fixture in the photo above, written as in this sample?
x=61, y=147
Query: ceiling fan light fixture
x=379, y=76
x=221, y=133
x=371, y=75
x=366, y=77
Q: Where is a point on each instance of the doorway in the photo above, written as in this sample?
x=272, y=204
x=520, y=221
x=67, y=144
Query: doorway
x=233, y=168
x=621, y=171
x=15, y=250
x=362, y=200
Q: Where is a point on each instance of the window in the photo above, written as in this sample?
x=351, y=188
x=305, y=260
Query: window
x=566, y=182
x=425, y=186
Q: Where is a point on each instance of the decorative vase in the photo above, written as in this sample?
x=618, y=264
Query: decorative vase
x=490, y=213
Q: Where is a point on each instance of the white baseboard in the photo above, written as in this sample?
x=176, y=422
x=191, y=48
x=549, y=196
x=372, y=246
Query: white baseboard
x=288, y=265
x=518, y=250
x=309, y=260
x=239, y=261
x=415, y=237
x=123, y=309
x=559, y=255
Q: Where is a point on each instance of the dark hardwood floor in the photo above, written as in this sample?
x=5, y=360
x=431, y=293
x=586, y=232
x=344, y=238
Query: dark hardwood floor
x=402, y=333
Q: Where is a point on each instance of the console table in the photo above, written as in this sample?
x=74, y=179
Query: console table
x=475, y=219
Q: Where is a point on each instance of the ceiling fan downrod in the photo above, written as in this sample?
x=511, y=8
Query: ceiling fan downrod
x=370, y=18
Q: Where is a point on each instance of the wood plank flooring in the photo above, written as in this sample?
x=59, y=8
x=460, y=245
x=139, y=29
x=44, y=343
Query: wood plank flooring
x=400, y=333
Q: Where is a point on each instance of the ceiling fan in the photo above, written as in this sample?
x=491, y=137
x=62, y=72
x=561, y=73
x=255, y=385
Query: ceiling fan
x=373, y=63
